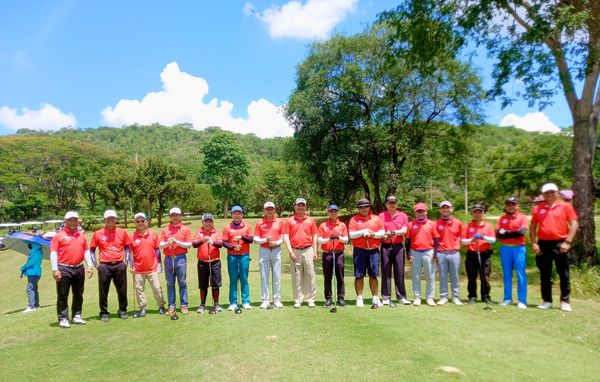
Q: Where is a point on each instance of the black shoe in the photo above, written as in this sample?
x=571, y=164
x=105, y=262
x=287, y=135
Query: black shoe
x=123, y=315
x=104, y=317
x=341, y=302
x=327, y=303
x=488, y=301
x=393, y=304
x=375, y=306
x=161, y=310
x=472, y=300
x=143, y=312
x=238, y=310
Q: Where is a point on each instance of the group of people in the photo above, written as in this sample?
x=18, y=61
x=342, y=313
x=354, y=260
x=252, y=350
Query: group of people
x=389, y=239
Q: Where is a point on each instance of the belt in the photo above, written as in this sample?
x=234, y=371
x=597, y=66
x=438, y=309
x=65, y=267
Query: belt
x=70, y=265
x=387, y=245
x=301, y=248
x=333, y=252
x=111, y=262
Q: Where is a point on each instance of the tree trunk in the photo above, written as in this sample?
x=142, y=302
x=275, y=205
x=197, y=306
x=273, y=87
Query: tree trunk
x=225, y=207
x=125, y=212
x=584, y=142
x=161, y=211
x=149, y=212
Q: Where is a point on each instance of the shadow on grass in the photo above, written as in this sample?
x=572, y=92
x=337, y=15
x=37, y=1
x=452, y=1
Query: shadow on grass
x=21, y=310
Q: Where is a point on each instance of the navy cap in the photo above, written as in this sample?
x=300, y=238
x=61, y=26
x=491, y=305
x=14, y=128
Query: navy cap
x=237, y=208
x=208, y=216
x=478, y=206
x=391, y=199
x=332, y=207
x=363, y=203
x=511, y=200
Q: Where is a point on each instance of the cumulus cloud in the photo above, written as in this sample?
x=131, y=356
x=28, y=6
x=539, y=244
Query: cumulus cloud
x=303, y=20
x=537, y=121
x=47, y=117
x=182, y=101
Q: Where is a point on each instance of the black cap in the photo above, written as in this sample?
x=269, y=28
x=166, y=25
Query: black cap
x=391, y=198
x=511, y=200
x=478, y=206
x=363, y=203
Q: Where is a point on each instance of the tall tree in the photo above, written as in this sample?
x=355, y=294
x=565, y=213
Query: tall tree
x=118, y=190
x=551, y=46
x=225, y=166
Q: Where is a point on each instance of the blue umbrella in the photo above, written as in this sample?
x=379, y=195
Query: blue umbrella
x=18, y=242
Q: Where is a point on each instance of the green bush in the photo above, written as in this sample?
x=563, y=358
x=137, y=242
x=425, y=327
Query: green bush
x=585, y=280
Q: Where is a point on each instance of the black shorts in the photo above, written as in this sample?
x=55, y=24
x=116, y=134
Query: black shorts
x=366, y=261
x=204, y=272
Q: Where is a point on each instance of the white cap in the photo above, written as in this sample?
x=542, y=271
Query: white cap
x=269, y=205
x=140, y=215
x=71, y=214
x=300, y=200
x=110, y=214
x=175, y=210
x=549, y=187
x=445, y=203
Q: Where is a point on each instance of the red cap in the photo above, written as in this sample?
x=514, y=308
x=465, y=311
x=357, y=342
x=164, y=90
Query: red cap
x=420, y=206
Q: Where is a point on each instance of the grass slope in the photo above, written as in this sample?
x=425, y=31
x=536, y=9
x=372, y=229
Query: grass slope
x=406, y=343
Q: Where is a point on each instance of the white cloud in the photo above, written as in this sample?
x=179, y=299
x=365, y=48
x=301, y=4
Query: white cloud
x=303, y=20
x=537, y=121
x=182, y=101
x=47, y=117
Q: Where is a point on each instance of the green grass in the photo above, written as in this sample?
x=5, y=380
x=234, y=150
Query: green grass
x=406, y=343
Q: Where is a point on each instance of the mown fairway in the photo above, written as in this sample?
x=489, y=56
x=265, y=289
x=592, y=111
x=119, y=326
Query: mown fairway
x=406, y=343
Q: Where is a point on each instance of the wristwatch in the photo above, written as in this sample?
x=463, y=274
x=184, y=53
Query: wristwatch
x=568, y=242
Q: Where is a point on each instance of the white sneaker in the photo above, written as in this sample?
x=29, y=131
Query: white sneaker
x=77, y=320
x=545, y=305
x=64, y=323
x=417, y=301
x=247, y=306
x=278, y=304
x=456, y=301
x=359, y=302
x=520, y=305
x=29, y=309
x=405, y=301
x=505, y=303
x=265, y=304
x=430, y=302
x=311, y=304
x=442, y=301
x=232, y=307
x=565, y=307
x=377, y=301
x=297, y=304
x=386, y=301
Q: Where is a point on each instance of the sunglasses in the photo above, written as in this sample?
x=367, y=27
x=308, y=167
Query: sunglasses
x=140, y=221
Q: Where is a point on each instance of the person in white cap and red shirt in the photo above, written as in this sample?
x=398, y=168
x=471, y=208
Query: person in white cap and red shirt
x=333, y=235
x=392, y=252
x=300, y=235
x=68, y=250
x=554, y=224
x=176, y=239
x=113, y=245
x=422, y=239
x=268, y=233
x=366, y=231
x=448, y=257
x=146, y=264
x=209, y=242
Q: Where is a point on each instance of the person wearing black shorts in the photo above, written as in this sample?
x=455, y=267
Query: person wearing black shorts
x=208, y=241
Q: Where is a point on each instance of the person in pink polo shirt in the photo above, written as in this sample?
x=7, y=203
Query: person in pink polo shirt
x=392, y=252
x=554, y=224
x=450, y=230
x=366, y=231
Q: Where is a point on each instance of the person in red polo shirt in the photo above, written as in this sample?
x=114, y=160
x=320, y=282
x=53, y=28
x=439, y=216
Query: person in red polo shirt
x=208, y=241
x=554, y=224
x=511, y=231
x=112, y=242
x=268, y=232
x=366, y=231
x=237, y=237
x=333, y=235
x=392, y=252
x=176, y=238
x=146, y=264
x=68, y=249
x=422, y=238
x=448, y=256
x=477, y=236
x=300, y=237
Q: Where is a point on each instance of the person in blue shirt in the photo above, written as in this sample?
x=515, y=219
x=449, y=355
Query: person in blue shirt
x=33, y=270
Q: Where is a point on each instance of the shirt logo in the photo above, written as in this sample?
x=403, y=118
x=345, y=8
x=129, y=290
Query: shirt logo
x=505, y=221
x=543, y=211
x=441, y=227
x=471, y=229
x=415, y=227
x=137, y=241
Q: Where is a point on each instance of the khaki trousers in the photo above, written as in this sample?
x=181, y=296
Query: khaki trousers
x=304, y=283
x=139, y=280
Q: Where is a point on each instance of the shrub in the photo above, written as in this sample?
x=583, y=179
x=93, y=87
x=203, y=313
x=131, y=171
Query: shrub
x=585, y=280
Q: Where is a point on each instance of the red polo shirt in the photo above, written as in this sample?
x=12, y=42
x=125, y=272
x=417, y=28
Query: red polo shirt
x=69, y=246
x=230, y=231
x=513, y=223
x=326, y=229
x=300, y=231
x=208, y=252
x=485, y=229
x=181, y=233
x=553, y=222
x=449, y=231
x=144, y=251
x=394, y=224
x=110, y=243
x=371, y=222
x=265, y=228
x=421, y=235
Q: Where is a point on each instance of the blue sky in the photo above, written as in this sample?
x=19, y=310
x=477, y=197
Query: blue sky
x=229, y=63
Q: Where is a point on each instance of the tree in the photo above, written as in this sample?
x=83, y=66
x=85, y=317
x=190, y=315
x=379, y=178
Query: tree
x=225, y=166
x=551, y=46
x=361, y=113
x=118, y=190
